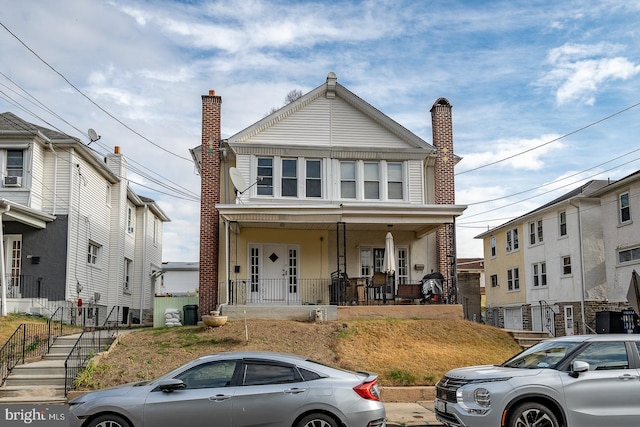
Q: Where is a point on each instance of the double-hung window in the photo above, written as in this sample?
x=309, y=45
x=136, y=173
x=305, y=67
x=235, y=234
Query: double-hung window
x=289, y=177
x=493, y=246
x=625, y=208
x=314, y=178
x=512, y=240
x=265, y=176
x=562, y=219
x=540, y=274
x=394, y=181
x=128, y=269
x=348, y=180
x=15, y=163
x=93, y=254
x=513, y=279
x=372, y=181
x=566, y=265
x=535, y=232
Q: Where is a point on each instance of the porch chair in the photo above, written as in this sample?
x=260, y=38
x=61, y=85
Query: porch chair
x=379, y=285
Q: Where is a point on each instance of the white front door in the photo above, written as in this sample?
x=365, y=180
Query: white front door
x=568, y=320
x=274, y=274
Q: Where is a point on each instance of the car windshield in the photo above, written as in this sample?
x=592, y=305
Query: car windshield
x=547, y=354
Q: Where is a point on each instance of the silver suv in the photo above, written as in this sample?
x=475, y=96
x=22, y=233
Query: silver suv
x=575, y=381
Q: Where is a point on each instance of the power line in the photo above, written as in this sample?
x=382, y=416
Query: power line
x=91, y=100
x=552, y=141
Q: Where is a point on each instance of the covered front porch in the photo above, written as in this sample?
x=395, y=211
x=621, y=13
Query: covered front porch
x=334, y=254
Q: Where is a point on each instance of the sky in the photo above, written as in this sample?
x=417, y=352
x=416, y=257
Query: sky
x=545, y=93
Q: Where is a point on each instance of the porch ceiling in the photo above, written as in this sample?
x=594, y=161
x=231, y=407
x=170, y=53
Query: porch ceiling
x=422, y=220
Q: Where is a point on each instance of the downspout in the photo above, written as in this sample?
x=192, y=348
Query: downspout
x=582, y=278
x=227, y=269
x=3, y=282
x=144, y=261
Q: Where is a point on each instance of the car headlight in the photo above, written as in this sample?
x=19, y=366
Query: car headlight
x=482, y=397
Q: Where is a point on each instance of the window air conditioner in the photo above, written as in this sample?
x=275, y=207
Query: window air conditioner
x=13, y=181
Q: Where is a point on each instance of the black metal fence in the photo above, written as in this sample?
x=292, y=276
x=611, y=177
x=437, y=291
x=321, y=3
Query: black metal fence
x=29, y=341
x=92, y=340
x=28, y=286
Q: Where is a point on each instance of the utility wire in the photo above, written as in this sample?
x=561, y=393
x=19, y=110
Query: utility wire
x=91, y=100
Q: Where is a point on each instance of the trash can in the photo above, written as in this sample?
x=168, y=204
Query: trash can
x=190, y=314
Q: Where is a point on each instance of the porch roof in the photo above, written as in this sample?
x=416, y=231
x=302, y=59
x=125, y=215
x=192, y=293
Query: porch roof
x=421, y=219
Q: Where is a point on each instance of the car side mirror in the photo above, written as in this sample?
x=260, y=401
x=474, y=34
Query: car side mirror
x=172, y=384
x=578, y=366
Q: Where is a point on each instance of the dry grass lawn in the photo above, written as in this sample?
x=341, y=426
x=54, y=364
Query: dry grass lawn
x=402, y=352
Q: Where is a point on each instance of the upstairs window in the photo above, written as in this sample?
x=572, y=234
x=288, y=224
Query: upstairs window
x=540, y=274
x=562, y=218
x=348, y=180
x=493, y=246
x=289, y=177
x=129, y=219
x=15, y=163
x=265, y=176
x=512, y=240
x=513, y=279
x=494, y=280
x=566, y=265
x=314, y=179
x=371, y=181
x=394, y=181
x=127, y=274
x=93, y=255
x=625, y=209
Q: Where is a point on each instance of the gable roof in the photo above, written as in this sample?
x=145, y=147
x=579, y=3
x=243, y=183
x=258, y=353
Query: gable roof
x=588, y=189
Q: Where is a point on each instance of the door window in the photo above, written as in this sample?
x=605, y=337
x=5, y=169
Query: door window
x=265, y=373
x=209, y=375
x=604, y=356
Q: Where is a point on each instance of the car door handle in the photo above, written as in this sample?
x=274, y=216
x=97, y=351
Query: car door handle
x=295, y=390
x=627, y=377
x=220, y=397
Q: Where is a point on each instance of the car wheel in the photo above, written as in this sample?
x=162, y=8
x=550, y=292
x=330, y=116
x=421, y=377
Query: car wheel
x=109, y=420
x=530, y=414
x=317, y=420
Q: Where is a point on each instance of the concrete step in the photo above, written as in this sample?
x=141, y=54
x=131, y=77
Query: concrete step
x=16, y=393
x=34, y=380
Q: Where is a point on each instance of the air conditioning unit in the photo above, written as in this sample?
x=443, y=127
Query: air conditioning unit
x=13, y=181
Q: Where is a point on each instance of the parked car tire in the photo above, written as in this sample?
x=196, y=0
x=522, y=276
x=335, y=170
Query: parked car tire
x=109, y=420
x=532, y=413
x=317, y=420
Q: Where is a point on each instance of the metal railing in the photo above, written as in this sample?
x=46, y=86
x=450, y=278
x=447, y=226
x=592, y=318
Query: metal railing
x=336, y=290
x=547, y=318
x=92, y=340
x=28, y=286
x=29, y=341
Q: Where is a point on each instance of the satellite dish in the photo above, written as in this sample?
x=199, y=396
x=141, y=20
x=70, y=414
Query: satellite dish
x=93, y=136
x=238, y=180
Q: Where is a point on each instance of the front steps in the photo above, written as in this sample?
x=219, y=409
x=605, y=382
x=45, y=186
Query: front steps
x=43, y=381
x=528, y=338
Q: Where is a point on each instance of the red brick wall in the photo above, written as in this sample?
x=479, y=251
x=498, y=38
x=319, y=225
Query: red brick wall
x=442, y=125
x=209, y=197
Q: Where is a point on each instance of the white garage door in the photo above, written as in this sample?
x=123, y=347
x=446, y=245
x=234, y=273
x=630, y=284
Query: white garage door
x=513, y=318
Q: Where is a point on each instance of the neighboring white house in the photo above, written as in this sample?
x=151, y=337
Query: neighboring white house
x=578, y=252
x=74, y=232
x=179, y=278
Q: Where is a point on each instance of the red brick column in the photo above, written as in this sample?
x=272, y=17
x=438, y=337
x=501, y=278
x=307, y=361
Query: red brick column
x=442, y=125
x=209, y=197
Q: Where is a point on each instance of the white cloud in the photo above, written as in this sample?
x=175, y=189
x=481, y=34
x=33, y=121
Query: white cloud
x=579, y=71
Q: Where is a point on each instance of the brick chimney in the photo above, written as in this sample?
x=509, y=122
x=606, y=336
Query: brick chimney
x=442, y=126
x=209, y=197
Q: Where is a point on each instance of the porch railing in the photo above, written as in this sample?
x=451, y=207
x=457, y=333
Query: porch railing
x=337, y=290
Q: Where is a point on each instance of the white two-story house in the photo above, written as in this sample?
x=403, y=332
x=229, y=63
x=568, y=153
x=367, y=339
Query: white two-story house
x=308, y=194
x=74, y=233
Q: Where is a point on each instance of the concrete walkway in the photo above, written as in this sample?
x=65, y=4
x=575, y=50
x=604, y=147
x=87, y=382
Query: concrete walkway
x=411, y=414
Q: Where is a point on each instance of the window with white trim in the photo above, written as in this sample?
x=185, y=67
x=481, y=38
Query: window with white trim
x=631, y=254
x=624, y=207
x=535, y=232
x=402, y=265
x=371, y=181
x=513, y=279
x=365, y=262
x=93, y=255
x=493, y=246
x=540, y=274
x=289, y=178
x=395, y=182
x=130, y=212
x=15, y=163
x=348, y=180
x=313, y=178
x=128, y=269
x=562, y=219
x=265, y=176
x=512, y=240
x=566, y=265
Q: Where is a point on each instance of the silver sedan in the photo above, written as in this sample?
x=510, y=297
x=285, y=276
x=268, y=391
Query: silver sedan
x=238, y=389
